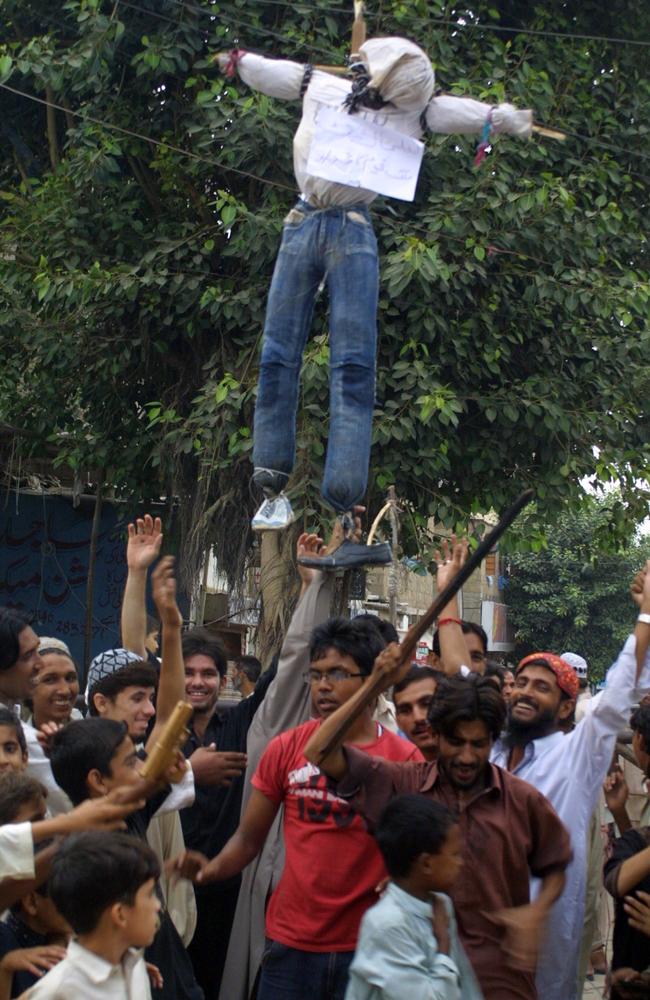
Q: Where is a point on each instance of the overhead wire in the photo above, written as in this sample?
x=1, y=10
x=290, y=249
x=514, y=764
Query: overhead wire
x=264, y=180
x=385, y=215
x=328, y=54
x=458, y=23
x=145, y=138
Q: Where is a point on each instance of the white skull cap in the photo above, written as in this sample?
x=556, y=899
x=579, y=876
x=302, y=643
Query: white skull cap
x=400, y=71
x=578, y=663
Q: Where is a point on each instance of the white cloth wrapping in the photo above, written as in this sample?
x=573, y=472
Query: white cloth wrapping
x=450, y=115
x=569, y=770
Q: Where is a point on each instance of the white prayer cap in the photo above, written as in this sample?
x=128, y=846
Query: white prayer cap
x=50, y=644
x=400, y=71
x=578, y=663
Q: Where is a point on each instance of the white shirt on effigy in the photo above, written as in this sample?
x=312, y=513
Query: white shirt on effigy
x=445, y=114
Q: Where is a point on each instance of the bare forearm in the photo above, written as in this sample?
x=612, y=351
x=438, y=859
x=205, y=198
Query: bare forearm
x=453, y=649
x=238, y=852
x=335, y=728
x=642, y=636
x=551, y=890
x=622, y=820
x=133, y=622
x=171, y=686
x=633, y=871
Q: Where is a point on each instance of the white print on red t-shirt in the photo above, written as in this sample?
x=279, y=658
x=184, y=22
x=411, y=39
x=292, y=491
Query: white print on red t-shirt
x=309, y=785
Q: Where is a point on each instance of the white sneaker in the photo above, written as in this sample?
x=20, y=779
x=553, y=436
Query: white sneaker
x=275, y=514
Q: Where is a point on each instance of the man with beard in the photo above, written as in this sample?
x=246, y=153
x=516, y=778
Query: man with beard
x=333, y=865
x=570, y=769
x=509, y=831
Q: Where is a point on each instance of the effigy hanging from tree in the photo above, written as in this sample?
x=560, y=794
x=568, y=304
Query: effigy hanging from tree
x=360, y=135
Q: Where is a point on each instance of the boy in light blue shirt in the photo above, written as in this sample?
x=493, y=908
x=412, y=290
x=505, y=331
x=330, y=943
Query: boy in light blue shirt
x=408, y=944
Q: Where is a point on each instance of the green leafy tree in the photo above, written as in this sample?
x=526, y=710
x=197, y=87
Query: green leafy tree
x=140, y=218
x=569, y=596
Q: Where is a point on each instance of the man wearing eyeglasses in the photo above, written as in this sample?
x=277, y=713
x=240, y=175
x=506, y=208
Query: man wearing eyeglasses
x=333, y=866
x=569, y=769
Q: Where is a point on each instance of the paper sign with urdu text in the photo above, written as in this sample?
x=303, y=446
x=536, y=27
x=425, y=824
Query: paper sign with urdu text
x=348, y=150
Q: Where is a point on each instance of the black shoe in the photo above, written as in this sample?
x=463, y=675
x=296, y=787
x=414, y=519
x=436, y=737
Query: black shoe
x=270, y=481
x=350, y=555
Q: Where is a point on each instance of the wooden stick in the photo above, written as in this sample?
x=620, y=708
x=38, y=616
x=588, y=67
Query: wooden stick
x=358, y=29
x=549, y=133
x=375, y=524
x=376, y=684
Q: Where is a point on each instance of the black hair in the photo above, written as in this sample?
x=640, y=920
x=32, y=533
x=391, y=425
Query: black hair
x=12, y=623
x=357, y=639
x=9, y=718
x=416, y=674
x=16, y=789
x=496, y=671
x=135, y=674
x=250, y=666
x=83, y=746
x=409, y=826
x=200, y=640
x=466, y=699
x=92, y=871
x=387, y=631
x=466, y=627
x=640, y=723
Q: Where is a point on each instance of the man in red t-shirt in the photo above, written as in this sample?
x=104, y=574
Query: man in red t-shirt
x=332, y=863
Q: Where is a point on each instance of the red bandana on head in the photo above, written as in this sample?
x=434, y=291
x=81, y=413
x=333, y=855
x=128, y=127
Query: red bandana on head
x=567, y=678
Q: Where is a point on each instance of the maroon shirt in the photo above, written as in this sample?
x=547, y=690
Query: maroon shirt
x=510, y=832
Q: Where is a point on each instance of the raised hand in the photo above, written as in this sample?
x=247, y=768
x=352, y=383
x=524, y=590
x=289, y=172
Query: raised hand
x=107, y=813
x=640, y=587
x=144, y=541
x=163, y=588
x=616, y=791
x=46, y=734
x=309, y=545
x=389, y=667
x=450, y=557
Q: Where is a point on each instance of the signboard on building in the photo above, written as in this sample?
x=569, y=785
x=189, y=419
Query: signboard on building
x=494, y=619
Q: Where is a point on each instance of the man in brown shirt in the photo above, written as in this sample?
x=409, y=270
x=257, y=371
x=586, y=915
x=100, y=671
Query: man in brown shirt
x=509, y=829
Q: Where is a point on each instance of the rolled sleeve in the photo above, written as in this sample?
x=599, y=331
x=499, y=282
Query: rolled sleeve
x=371, y=782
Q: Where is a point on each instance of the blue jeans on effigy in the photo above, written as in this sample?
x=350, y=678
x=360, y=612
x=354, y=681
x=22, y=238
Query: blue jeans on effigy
x=290, y=974
x=338, y=245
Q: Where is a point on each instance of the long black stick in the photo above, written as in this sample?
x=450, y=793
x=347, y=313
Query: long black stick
x=375, y=685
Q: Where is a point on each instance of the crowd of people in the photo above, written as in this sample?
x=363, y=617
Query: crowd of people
x=355, y=827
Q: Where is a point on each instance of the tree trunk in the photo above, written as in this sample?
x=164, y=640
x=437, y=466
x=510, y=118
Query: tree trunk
x=279, y=586
x=52, y=138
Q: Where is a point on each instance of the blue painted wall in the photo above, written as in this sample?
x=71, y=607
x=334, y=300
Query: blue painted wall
x=44, y=550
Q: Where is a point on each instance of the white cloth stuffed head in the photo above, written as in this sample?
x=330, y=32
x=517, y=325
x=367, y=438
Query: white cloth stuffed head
x=400, y=71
